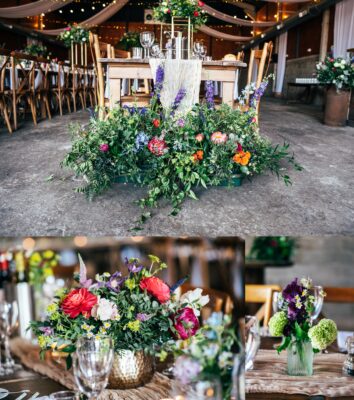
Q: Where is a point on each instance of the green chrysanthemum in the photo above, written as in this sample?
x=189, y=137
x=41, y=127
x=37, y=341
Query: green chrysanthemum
x=323, y=334
x=277, y=323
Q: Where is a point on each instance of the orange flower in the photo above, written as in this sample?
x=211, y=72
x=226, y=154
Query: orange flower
x=200, y=154
x=242, y=158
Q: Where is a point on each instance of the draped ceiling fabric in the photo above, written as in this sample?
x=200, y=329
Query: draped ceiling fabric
x=343, y=28
x=282, y=50
x=97, y=19
x=233, y=20
x=222, y=35
x=31, y=9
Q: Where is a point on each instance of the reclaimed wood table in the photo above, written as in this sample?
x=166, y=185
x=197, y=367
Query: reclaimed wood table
x=268, y=379
x=123, y=68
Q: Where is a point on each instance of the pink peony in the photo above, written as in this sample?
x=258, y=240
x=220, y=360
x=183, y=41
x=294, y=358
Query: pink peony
x=186, y=323
x=219, y=138
x=104, y=147
x=199, y=138
x=78, y=301
x=157, y=146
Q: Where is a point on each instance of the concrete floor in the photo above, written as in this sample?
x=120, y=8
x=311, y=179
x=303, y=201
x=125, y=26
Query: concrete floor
x=37, y=196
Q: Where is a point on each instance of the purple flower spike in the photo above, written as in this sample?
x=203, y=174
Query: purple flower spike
x=178, y=100
x=115, y=282
x=160, y=77
x=209, y=94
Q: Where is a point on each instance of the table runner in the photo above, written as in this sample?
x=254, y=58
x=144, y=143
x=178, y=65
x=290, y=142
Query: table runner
x=28, y=354
x=269, y=376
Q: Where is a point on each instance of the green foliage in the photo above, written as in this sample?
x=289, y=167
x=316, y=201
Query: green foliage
x=192, y=9
x=74, y=34
x=37, y=50
x=336, y=71
x=129, y=40
x=41, y=266
x=274, y=248
x=176, y=173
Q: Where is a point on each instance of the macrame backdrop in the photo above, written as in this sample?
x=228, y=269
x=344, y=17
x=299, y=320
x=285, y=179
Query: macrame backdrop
x=343, y=28
x=97, y=19
x=31, y=9
x=179, y=74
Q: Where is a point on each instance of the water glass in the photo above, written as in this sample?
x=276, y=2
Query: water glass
x=318, y=294
x=8, y=324
x=238, y=377
x=198, y=49
x=252, y=340
x=92, y=365
x=147, y=40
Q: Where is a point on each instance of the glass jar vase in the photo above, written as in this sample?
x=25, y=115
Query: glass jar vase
x=300, y=358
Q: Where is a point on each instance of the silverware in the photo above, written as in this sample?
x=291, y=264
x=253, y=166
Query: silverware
x=34, y=396
x=20, y=391
x=23, y=395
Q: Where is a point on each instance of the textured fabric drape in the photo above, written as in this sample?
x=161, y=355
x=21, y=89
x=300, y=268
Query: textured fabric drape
x=233, y=20
x=31, y=9
x=222, y=35
x=343, y=28
x=283, y=43
x=97, y=19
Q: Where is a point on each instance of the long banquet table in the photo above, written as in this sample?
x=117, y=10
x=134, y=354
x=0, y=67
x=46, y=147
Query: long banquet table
x=123, y=68
x=269, y=381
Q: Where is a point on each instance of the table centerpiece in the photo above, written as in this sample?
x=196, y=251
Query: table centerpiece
x=172, y=153
x=72, y=37
x=139, y=312
x=301, y=338
x=337, y=75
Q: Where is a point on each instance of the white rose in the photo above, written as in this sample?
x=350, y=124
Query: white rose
x=195, y=300
x=104, y=310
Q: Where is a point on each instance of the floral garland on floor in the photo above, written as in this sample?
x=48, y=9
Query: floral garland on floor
x=172, y=154
x=138, y=311
x=192, y=9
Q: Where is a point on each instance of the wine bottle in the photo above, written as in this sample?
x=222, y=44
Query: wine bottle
x=4, y=275
x=23, y=296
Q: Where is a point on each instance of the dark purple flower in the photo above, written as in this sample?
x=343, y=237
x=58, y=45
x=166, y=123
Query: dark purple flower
x=209, y=94
x=178, y=100
x=292, y=290
x=133, y=265
x=142, y=317
x=160, y=77
x=104, y=147
x=47, y=330
x=115, y=282
x=259, y=92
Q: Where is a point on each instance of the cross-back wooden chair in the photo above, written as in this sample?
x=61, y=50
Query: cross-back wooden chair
x=219, y=301
x=5, y=90
x=42, y=86
x=60, y=89
x=262, y=294
x=23, y=84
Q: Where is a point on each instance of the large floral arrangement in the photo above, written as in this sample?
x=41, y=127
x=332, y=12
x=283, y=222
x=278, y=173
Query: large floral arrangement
x=37, y=50
x=74, y=34
x=293, y=322
x=209, y=354
x=192, y=9
x=172, y=153
x=336, y=71
x=138, y=311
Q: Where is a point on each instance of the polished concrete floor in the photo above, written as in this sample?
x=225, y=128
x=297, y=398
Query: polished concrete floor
x=37, y=197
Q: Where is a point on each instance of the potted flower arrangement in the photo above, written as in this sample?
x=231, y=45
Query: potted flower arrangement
x=138, y=311
x=189, y=9
x=74, y=34
x=337, y=74
x=37, y=50
x=301, y=338
x=173, y=153
x=129, y=40
x=207, y=359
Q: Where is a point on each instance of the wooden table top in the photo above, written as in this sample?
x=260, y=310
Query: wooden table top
x=145, y=62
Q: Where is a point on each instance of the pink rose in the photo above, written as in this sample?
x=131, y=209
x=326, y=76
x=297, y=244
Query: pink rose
x=186, y=323
x=219, y=138
x=104, y=147
x=199, y=138
x=68, y=28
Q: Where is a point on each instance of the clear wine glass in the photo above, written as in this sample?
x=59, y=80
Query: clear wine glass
x=238, y=377
x=147, y=40
x=276, y=302
x=252, y=340
x=318, y=294
x=92, y=365
x=197, y=47
x=203, y=52
x=8, y=324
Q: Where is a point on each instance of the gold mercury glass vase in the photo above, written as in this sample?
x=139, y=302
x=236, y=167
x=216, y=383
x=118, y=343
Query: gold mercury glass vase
x=131, y=370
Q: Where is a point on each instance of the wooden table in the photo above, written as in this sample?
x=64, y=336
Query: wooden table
x=268, y=344
x=122, y=68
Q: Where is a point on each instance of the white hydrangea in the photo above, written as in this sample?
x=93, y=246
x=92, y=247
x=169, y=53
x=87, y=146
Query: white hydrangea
x=105, y=310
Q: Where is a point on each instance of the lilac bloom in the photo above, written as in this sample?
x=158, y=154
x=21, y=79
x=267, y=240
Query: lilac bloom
x=160, y=77
x=47, y=330
x=181, y=123
x=115, y=282
x=209, y=94
x=142, y=317
x=133, y=265
x=178, y=99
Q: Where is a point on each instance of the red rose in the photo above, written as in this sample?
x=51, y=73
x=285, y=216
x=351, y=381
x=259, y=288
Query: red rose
x=186, y=323
x=156, y=123
x=79, y=301
x=239, y=148
x=196, y=13
x=168, y=11
x=157, y=288
x=200, y=4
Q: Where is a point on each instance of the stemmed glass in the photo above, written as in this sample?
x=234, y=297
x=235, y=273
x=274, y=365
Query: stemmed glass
x=203, y=52
x=147, y=40
x=197, y=47
x=318, y=294
x=252, y=340
x=92, y=365
x=238, y=377
x=8, y=324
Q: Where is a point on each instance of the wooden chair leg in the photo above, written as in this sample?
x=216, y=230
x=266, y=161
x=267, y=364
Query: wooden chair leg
x=14, y=107
x=33, y=110
x=68, y=102
x=74, y=101
x=46, y=102
x=6, y=116
x=60, y=100
x=83, y=103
